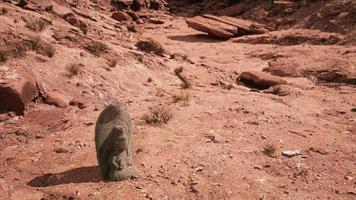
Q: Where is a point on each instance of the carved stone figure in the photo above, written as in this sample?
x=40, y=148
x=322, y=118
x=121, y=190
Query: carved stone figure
x=113, y=141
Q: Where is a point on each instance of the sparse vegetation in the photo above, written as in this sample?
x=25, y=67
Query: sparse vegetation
x=34, y=44
x=48, y=50
x=185, y=82
x=151, y=46
x=74, y=69
x=182, y=97
x=158, y=115
x=96, y=48
x=185, y=85
x=3, y=56
x=37, y=24
x=269, y=150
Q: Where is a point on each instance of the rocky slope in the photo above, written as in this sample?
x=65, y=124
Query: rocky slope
x=269, y=116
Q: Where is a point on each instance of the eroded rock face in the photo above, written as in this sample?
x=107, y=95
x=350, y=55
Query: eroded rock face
x=18, y=87
x=114, y=143
x=74, y=21
x=260, y=80
x=121, y=16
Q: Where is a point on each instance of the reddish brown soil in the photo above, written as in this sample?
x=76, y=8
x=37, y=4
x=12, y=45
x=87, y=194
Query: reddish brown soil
x=212, y=148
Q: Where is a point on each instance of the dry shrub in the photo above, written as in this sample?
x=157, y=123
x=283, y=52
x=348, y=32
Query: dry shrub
x=151, y=46
x=158, y=115
x=34, y=44
x=96, y=48
x=181, y=97
x=269, y=150
x=74, y=69
x=37, y=24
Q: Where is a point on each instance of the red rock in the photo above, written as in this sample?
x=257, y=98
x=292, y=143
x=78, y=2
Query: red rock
x=260, y=80
x=18, y=87
x=121, y=16
x=74, y=21
x=233, y=10
x=56, y=99
x=212, y=27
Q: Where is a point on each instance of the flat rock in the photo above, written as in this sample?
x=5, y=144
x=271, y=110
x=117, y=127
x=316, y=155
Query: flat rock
x=259, y=80
x=225, y=26
x=212, y=27
x=56, y=99
x=121, y=16
x=282, y=90
x=292, y=37
x=18, y=87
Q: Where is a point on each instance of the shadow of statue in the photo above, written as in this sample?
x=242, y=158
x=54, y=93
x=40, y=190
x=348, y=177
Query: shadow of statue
x=197, y=38
x=77, y=175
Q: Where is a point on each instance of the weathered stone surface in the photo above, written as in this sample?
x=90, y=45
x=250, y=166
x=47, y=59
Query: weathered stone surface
x=259, y=80
x=282, y=90
x=244, y=26
x=133, y=15
x=224, y=26
x=121, y=16
x=18, y=88
x=26, y=193
x=56, y=99
x=212, y=27
x=35, y=5
x=121, y=4
x=292, y=37
x=114, y=143
x=74, y=21
x=233, y=10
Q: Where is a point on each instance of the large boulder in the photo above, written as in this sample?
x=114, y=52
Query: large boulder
x=18, y=87
x=259, y=80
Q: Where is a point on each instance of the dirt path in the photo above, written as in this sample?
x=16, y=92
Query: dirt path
x=212, y=147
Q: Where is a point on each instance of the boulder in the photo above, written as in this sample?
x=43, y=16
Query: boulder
x=121, y=4
x=140, y=4
x=74, y=21
x=56, y=99
x=225, y=26
x=18, y=87
x=212, y=27
x=259, y=80
x=121, y=16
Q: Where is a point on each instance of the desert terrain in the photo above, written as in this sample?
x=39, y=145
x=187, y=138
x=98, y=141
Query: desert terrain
x=219, y=136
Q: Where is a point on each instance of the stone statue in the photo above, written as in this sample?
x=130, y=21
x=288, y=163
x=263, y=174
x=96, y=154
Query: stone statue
x=113, y=142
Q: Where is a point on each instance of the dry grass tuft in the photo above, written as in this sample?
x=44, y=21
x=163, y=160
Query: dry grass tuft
x=74, y=69
x=182, y=97
x=37, y=25
x=35, y=44
x=269, y=150
x=158, y=115
x=96, y=48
